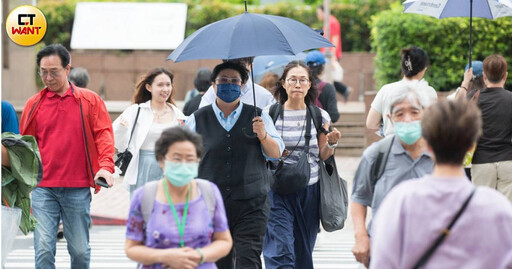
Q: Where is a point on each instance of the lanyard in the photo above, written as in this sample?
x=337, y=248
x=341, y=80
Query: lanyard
x=181, y=225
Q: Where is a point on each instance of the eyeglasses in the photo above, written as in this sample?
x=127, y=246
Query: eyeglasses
x=302, y=81
x=52, y=73
x=224, y=80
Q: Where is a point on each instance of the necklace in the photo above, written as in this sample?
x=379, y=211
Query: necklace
x=161, y=114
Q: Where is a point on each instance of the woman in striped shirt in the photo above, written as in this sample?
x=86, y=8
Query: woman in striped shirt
x=294, y=219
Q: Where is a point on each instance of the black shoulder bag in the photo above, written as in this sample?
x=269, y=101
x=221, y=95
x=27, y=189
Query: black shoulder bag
x=124, y=158
x=444, y=233
x=291, y=178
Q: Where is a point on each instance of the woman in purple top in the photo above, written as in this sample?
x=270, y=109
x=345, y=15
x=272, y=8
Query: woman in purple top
x=416, y=212
x=180, y=233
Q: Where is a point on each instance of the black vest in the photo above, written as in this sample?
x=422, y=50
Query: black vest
x=232, y=160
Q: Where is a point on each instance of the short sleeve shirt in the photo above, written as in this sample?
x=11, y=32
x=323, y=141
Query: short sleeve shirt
x=292, y=132
x=399, y=167
x=162, y=232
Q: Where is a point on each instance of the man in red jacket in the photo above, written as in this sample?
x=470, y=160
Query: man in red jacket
x=74, y=133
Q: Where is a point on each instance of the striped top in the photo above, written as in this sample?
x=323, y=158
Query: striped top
x=292, y=130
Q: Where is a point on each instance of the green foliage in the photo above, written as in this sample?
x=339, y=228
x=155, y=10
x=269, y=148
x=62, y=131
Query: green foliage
x=446, y=42
x=354, y=16
x=59, y=17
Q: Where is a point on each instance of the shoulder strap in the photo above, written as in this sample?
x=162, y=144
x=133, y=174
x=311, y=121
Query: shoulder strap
x=379, y=165
x=444, y=233
x=275, y=110
x=209, y=197
x=316, y=115
x=148, y=199
x=133, y=127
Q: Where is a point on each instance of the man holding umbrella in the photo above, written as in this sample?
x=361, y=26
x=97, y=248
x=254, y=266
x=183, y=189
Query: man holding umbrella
x=235, y=159
x=263, y=97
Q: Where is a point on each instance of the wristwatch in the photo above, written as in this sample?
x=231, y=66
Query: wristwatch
x=333, y=146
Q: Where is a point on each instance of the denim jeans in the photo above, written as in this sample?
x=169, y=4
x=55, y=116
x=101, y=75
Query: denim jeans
x=292, y=229
x=73, y=204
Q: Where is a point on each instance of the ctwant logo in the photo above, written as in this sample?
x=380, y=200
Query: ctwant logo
x=26, y=25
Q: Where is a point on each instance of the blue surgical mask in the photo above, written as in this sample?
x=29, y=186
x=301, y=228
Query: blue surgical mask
x=228, y=92
x=180, y=174
x=409, y=132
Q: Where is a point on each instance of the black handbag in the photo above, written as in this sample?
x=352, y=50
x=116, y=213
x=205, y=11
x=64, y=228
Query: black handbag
x=290, y=178
x=124, y=158
x=333, y=196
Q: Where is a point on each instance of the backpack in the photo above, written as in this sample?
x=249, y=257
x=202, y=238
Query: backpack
x=148, y=198
x=378, y=167
x=320, y=88
x=278, y=109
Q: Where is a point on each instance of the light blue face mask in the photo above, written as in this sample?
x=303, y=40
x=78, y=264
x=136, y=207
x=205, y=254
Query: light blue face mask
x=409, y=132
x=180, y=174
x=228, y=92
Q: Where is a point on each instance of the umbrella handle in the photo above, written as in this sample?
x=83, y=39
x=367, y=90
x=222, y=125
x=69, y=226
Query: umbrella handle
x=251, y=136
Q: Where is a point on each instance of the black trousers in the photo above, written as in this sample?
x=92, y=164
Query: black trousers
x=248, y=223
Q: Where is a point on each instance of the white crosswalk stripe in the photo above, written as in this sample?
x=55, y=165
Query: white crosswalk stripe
x=332, y=250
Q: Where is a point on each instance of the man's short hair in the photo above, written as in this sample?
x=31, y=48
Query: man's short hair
x=202, y=80
x=79, y=76
x=406, y=92
x=54, y=49
x=451, y=128
x=240, y=68
x=495, y=68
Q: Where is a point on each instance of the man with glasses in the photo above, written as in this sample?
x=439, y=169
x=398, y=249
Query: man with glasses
x=76, y=142
x=263, y=97
x=236, y=146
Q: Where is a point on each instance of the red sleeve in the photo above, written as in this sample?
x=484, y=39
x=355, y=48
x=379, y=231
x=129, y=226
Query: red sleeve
x=103, y=135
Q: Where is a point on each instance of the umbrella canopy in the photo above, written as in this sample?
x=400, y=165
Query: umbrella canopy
x=489, y=9
x=273, y=63
x=248, y=35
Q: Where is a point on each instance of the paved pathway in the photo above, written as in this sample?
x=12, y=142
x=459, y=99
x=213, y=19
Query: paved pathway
x=332, y=250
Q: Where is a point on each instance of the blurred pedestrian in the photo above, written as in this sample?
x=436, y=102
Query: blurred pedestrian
x=492, y=160
x=414, y=65
x=407, y=158
x=269, y=82
x=473, y=81
x=237, y=145
x=187, y=225
x=470, y=88
x=79, y=76
x=263, y=97
x=294, y=218
x=416, y=213
x=202, y=83
x=9, y=118
x=334, y=33
x=74, y=132
x=326, y=98
x=141, y=124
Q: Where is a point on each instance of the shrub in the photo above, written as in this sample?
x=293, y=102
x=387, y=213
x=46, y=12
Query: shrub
x=446, y=42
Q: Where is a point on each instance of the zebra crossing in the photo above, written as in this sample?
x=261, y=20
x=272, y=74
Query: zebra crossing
x=332, y=250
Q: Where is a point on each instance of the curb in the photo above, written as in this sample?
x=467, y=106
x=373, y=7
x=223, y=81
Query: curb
x=100, y=220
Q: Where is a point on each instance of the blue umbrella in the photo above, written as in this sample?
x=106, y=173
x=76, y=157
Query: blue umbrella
x=273, y=63
x=249, y=35
x=490, y=9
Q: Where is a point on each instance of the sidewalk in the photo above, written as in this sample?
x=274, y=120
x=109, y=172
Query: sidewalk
x=110, y=206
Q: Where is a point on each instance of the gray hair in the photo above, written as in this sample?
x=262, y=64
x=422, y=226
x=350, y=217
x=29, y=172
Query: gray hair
x=79, y=76
x=409, y=93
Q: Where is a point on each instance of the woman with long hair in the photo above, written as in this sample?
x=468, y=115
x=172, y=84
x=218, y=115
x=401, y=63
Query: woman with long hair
x=153, y=110
x=294, y=218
